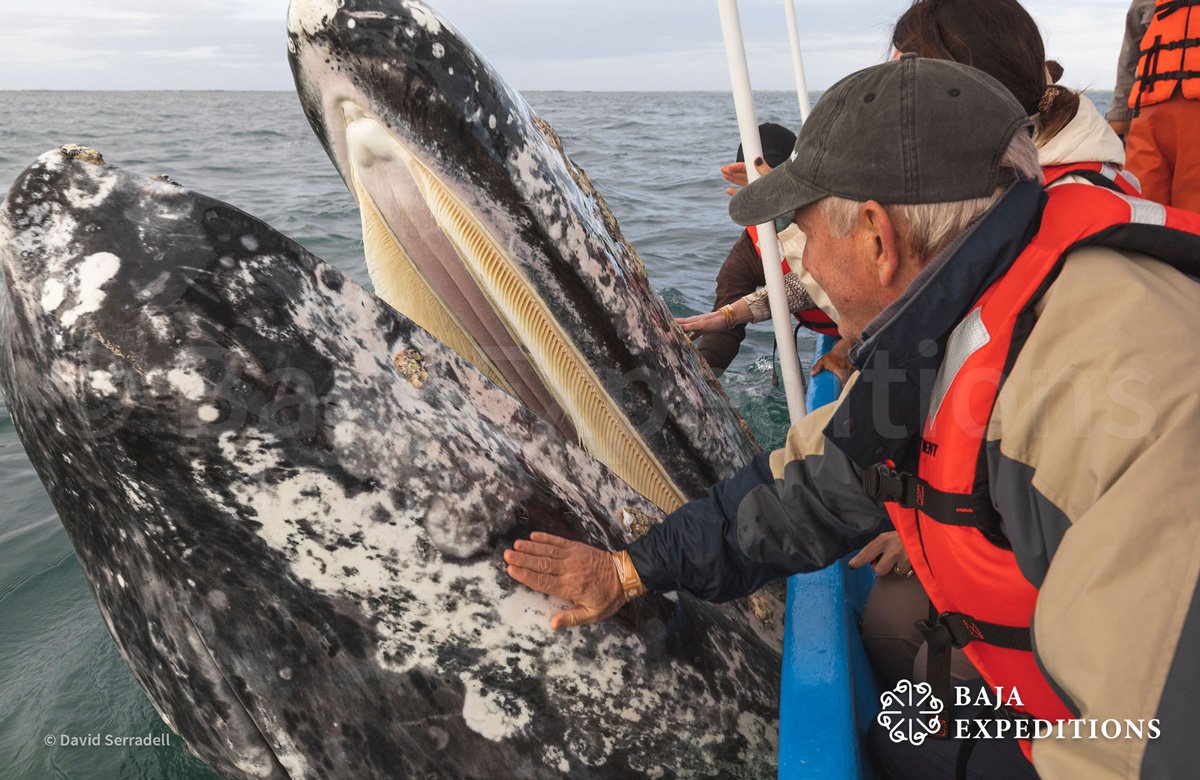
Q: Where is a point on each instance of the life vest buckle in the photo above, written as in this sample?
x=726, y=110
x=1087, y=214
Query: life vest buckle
x=884, y=483
x=947, y=630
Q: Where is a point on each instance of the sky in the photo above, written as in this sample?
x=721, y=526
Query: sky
x=535, y=44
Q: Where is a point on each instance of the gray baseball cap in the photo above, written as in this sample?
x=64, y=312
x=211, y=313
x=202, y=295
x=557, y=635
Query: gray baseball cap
x=912, y=130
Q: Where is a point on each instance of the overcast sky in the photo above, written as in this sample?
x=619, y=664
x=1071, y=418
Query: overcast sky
x=535, y=44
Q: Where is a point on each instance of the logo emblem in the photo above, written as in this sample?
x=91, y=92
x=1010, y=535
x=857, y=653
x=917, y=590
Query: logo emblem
x=910, y=712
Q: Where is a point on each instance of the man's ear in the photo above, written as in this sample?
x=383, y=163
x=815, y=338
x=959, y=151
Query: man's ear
x=884, y=247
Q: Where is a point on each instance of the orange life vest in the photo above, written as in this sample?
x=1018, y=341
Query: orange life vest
x=814, y=319
x=1100, y=174
x=944, y=513
x=1170, y=54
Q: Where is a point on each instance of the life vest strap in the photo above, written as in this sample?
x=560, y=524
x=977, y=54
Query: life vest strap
x=1166, y=9
x=1171, y=75
x=1182, y=43
x=884, y=483
x=954, y=629
x=1099, y=179
x=948, y=630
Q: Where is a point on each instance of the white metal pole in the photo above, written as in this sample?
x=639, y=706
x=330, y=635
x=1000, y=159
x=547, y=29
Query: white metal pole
x=797, y=58
x=768, y=242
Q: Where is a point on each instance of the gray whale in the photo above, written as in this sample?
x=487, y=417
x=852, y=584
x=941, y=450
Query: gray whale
x=479, y=228
x=290, y=502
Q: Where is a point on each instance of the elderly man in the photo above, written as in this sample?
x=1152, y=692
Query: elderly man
x=1025, y=412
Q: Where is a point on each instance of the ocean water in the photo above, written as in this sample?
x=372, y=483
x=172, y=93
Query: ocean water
x=653, y=156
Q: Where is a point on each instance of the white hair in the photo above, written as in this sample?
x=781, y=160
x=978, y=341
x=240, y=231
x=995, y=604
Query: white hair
x=929, y=227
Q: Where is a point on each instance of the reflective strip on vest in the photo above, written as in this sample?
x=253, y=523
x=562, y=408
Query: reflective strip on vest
x=969, y=336
x=1145, y=212
x=1100, y=174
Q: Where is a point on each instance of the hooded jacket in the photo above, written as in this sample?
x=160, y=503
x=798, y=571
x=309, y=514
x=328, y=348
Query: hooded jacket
x=1086, y=138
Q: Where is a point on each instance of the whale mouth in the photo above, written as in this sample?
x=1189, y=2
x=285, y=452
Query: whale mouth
x=469, y=293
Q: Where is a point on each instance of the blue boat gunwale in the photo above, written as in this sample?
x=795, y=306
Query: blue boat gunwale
x=828, y=694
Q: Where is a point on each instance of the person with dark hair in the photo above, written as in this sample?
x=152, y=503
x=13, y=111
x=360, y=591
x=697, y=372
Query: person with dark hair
x=1000, y=38
x=1164, y=99
x=1059, y=544
x=742, y=274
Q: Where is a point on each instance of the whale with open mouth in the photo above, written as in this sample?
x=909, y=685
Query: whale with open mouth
x=478, y=227
x=290, y=504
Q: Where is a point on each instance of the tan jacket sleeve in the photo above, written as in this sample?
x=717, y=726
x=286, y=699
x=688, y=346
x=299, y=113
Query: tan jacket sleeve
x=1098, y=426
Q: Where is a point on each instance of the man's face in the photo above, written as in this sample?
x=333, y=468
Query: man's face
x=843, y=267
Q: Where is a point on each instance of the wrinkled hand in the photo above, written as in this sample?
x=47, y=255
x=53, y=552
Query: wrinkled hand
x=837, y=361
x=735, y=173
x=571, y=570
x=711, y=322
x=886, y=551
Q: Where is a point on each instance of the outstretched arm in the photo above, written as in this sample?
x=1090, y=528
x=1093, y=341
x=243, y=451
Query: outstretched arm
x=797, y=509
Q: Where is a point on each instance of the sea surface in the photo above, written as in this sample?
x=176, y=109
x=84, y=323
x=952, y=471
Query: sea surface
x=655, y=158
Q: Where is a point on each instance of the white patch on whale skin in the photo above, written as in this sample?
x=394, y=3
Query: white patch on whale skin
x=553, y=756
x=439, y=50
x=52, y=295
x=424, y=16
x=187, y=383
x=102, y=383
x=309, y=17
x=82, y=199
x=94, y=271
x=250, y=455
x=484, y=712
x=208, y=413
